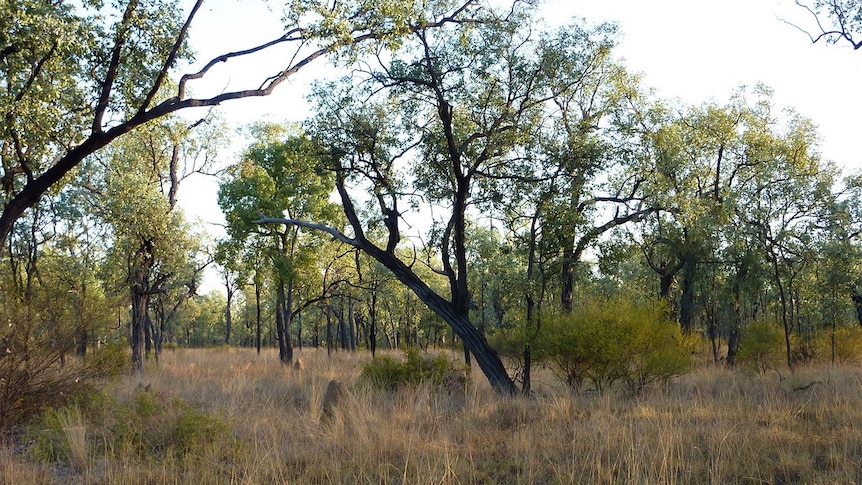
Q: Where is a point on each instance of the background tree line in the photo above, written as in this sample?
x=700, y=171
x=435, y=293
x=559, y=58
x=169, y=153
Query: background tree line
x=473, y=178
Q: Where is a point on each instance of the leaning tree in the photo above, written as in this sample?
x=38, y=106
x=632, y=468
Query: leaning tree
x=79, y=75
x=432, y=124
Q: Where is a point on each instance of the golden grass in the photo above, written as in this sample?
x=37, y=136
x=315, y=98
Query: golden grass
x=710, y=426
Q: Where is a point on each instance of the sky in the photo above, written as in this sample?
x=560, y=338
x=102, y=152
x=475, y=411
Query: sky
x=692, y=50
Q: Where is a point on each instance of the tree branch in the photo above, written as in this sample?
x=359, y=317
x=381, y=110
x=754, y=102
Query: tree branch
x=335, y=233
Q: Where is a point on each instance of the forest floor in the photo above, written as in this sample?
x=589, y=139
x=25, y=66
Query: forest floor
x=232, y=416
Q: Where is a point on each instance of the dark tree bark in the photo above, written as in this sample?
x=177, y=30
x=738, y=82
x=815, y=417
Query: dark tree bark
x=140, y=302
x=283, y=317
x=98, y=137
x=686, y=305
x=856, y=297
x=257, y=290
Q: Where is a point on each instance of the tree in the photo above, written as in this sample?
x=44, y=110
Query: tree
x=837, y=21
x=265, y=182
x=790, y=203
x=228, y=255
x=78, y=78
x=135, y=183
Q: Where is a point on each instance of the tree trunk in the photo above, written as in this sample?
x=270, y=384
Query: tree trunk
x=372, y=323
x=856, y=296
x=228, y=315
x=140, y=301
x=568, y=287
x=485, y=356
x=329, y=331
x=258, y=317
x=282, y=322
x=299, y=330
x=82, y=336
x=785, y=319
x=732, y=347
x=686, y=306
x=351, y=324
x=345, y=339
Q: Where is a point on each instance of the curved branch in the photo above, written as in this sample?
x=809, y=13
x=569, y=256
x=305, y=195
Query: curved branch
x=310, y=225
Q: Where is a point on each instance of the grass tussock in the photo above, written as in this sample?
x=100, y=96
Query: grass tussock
x=230, y=416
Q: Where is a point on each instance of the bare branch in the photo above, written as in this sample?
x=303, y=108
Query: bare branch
x=171, y=58
x=310, y=225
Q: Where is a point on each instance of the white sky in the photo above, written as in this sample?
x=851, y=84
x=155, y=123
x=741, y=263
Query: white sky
x=694, y=50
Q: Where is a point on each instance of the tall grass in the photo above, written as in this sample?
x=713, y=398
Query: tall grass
x=229, y=416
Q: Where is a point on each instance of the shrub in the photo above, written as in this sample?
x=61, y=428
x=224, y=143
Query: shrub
x=388, y=372
x=38, y=342
x=607, y=341
x=761, y=346
x=60, y=436
x=848, y=344
x=36, y=375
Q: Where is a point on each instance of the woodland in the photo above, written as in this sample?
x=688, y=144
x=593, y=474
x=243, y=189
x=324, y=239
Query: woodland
x=469, y=182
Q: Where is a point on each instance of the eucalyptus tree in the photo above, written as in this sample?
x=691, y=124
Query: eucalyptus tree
x=742, y=192
x=703, y=160
x=266, y=182
x=849, y=217
x=697, y=162
x=228, y=255
x=787, y=203
x=154, y=251
x=77, y=76
x=577, y=180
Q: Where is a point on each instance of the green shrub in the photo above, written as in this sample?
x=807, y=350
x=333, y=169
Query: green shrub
x=848, y=345
x=609, y=341
x=383, y=371
x=60, y=437
x=390, y=373
x=194, y=428
x=761, y=346
x=151, y=424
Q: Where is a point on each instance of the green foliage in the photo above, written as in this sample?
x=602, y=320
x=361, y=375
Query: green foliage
x=761, y=345
x=60, y=436
x=848, y=345
x=387, y=372
x=151, y=424
x=608, y=341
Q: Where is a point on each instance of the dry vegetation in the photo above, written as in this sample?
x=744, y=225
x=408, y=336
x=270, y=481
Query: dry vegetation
x=229, y=416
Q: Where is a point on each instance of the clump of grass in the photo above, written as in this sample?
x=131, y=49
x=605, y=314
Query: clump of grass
x=61, y=436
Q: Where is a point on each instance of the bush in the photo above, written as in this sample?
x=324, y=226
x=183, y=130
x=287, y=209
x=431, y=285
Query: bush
x=390, y=373
x=608, y=341
x=36, y=375
x=38, y=343
x=761, y=346
x=848, y=344
x=60, y=436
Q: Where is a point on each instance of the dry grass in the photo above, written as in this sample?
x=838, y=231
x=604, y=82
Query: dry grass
x=710, y=426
